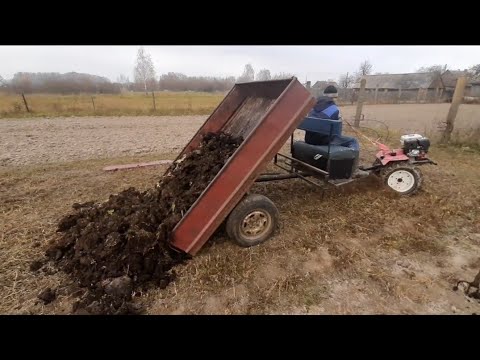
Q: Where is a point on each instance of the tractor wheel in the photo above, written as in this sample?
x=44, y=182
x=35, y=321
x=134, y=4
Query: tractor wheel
x=253, y=220
x=402, y=178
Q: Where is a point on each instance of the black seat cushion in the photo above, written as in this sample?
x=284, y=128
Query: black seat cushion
x=306, y=152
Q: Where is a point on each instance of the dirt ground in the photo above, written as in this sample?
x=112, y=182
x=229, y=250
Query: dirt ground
x=41, y=140
x=424, y=118
x=352, y=250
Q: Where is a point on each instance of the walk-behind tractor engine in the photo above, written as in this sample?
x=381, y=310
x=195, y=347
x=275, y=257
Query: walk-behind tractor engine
x=415, y=145
x=399, y=167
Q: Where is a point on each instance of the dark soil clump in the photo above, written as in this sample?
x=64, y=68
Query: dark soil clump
x=115, y=247
x=47, y=296
x=36, y=265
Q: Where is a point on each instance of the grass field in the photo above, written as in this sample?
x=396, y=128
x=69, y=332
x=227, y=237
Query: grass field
x=358, y=249
x=167, y=103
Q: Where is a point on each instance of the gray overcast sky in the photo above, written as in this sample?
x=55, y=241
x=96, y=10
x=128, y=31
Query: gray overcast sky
x=312, y=62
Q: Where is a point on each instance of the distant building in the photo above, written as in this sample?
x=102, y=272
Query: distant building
x=475, y=89
x=412, y=81
x=319, y=86
x=403, y=87
x=410, y=87
x=450, y=77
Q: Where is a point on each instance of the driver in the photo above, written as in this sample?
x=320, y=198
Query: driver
x=325, y=108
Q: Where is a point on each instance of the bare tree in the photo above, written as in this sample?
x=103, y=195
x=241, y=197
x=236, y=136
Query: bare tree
x=181, y=82
x=248, y=74
x=474, y=72
x=22, y=82
x=124, y=82
x=345, y=81
x=263, y=75
x=282, y=75
x=365, y=68
x=440, y=69
x=123, y=79
x=144, y=72
x=3, y=83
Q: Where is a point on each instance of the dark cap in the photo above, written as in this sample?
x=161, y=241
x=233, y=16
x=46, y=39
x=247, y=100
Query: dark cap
x=330, y=89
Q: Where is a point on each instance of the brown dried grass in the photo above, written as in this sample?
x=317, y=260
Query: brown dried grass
x=335, y=251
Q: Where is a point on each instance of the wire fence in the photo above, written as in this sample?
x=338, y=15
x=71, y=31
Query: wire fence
x=152, y=103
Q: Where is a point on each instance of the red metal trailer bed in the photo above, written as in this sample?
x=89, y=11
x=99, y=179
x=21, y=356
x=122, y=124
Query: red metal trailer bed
x=265, y=114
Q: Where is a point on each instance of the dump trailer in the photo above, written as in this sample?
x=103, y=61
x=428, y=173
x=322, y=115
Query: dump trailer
x=265, y=114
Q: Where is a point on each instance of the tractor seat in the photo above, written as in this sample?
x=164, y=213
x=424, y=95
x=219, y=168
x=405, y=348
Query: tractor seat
x=321, y=126
x=307, y=152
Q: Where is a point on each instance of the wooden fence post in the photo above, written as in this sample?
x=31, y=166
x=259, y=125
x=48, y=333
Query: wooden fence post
x=399, y=94
x=452, y=112
x=93, y=103
x=25, y=102
x=361, y=98
x=376, y=94
x=154, y=105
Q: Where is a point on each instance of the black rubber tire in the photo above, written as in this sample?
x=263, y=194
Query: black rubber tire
x=415, y=171
x=252, y=205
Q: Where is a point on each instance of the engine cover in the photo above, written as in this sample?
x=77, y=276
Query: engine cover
x=414, y=142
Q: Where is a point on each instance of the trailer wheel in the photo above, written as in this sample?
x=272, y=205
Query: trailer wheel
x=402, y=178
x=253, y=220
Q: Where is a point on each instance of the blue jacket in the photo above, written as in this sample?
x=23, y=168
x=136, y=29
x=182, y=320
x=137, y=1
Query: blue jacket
x=325, y=108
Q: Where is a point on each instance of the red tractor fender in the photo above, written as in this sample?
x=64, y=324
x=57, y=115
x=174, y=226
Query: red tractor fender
x=387, y=155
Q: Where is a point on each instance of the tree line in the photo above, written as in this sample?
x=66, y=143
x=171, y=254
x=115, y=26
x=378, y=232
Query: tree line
x=59, y=83
x=144, y=79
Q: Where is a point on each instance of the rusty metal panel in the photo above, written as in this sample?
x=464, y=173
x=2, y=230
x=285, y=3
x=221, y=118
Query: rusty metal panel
x=268, y=113
x=247, y=117
x=271, y=89
x=217, y=119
